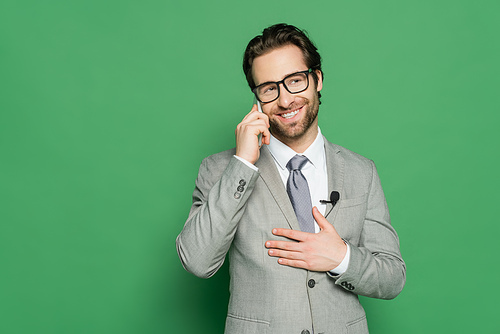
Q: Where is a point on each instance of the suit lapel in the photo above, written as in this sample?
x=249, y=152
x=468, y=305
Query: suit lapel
x=335, y=170
x=271, y=177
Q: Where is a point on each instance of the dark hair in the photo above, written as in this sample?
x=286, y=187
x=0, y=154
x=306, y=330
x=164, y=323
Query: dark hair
x=277, y=36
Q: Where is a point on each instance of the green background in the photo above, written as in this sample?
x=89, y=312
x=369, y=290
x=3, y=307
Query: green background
x=108, y=107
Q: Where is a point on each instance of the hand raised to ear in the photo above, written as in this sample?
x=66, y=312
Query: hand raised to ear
x=247, y=132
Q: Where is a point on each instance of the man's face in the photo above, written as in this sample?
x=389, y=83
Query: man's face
x=291, y=116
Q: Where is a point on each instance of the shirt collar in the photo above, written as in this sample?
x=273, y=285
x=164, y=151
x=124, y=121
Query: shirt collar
x=283, y=153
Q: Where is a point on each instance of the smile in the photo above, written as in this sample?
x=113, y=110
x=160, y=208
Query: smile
x=290, y=114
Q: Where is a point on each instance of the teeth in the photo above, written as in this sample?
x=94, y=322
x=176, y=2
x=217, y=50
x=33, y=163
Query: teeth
x=290, y=114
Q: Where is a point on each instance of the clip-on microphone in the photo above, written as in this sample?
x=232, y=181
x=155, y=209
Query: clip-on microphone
x=334, y=198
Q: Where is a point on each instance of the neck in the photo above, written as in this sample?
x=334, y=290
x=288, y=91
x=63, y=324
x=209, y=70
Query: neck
x=301, y=143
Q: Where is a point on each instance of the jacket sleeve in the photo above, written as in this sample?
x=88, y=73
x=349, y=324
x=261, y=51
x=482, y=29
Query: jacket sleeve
x=376, y=268
x=218, y=204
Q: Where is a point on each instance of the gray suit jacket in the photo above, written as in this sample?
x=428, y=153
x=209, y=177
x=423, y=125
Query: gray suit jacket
x=234, y=210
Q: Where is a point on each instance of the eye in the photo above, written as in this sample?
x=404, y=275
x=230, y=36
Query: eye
x=294, y=81
x=267, y=89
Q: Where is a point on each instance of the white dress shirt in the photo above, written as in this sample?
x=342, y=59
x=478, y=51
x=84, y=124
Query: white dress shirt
x=315, y=173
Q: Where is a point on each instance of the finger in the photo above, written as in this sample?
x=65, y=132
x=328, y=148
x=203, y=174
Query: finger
x=286, y=254
x=321, y=220
x=253, y=110
x=291, y=234
x=254, y=115
x=252, y=121
x=265, y=118
x=255, y=128
x=285, y=245
x=293, y=263
x=266, y=137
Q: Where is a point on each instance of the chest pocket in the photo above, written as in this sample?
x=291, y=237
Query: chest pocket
x=350, y=217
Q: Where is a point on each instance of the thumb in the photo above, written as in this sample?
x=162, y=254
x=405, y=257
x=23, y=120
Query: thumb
x=321, y=220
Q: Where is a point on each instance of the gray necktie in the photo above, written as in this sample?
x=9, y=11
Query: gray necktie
x=298, y=191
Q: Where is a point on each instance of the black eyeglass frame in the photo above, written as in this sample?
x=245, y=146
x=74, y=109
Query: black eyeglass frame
x=254, y=91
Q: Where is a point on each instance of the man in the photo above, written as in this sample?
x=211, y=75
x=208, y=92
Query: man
x=304, y=221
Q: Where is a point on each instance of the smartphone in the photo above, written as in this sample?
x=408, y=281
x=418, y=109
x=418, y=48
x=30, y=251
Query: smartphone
x=255, y=101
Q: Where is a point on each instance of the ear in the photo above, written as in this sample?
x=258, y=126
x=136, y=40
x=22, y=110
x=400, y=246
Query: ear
x=319, y=74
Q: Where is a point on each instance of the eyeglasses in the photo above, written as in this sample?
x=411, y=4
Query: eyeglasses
x=293, y=83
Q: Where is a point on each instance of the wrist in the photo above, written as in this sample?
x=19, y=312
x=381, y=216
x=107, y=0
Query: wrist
x=250, y=159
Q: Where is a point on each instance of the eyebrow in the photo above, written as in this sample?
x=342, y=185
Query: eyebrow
x=281, y=78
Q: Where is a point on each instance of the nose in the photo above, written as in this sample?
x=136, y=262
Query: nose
x=285, y=98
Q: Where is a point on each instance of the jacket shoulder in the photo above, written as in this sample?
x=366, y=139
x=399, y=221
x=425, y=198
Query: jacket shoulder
x=220, y=159
x=348, y=155
x=213, y=166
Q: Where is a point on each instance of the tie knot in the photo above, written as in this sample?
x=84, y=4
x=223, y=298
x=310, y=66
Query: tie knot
x=297, y=162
